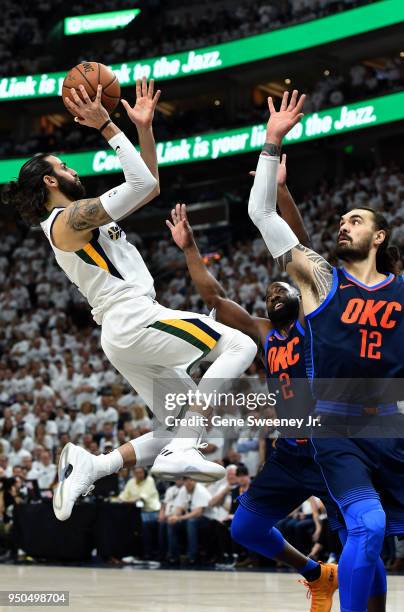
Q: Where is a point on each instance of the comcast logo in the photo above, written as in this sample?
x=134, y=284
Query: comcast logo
x=74, y=25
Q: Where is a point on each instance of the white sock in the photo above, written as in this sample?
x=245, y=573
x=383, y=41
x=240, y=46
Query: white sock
x=148, y=446
x=188, y=435
x=108, y=464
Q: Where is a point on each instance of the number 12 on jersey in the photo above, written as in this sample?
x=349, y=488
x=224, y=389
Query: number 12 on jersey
x=370, y=342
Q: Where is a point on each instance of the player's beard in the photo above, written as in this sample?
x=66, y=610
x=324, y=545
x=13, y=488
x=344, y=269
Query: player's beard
x=354, y=252
x=74, y=190
x=285, y=315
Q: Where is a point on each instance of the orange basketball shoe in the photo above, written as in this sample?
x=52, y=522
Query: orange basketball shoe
x=321, y=591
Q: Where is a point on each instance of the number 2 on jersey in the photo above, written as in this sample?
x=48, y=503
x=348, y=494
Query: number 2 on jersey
x=287, y=393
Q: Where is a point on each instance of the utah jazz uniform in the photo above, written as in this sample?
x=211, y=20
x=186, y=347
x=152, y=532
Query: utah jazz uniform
x=143, y=340
x=356, y=336
x=290, y=475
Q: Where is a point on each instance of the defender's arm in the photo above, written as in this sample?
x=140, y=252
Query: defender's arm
x=210, y=290
x=310, y=271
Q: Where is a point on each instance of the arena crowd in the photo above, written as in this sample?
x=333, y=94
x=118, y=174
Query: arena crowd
x=57, y=386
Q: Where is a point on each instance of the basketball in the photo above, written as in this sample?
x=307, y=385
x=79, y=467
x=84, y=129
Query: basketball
x=90, y=74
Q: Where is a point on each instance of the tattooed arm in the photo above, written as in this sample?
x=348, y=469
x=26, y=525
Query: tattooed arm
x=73, y=226
x=311, y=272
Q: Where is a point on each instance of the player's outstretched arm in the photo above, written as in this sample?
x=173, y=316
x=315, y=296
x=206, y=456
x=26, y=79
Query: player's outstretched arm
x=210, y=290
x=72, y=227
x=309, y=270
x=142, y=114
x=287, y=206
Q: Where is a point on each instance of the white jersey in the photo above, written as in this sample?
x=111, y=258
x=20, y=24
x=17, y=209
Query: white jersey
x=105, y=267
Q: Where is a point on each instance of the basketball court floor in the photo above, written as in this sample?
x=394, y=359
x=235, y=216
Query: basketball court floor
x=137, y=590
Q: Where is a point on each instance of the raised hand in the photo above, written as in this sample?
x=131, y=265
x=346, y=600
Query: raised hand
x=142, y=113
x=282, y=121
x=281, y=176
x=180, y=228
x=87, y=112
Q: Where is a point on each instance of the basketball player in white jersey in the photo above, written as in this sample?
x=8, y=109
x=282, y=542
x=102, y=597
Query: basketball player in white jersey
x=143, y=340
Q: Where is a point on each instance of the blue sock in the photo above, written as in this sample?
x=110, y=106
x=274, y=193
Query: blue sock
x=366, y=523
x=311, y=571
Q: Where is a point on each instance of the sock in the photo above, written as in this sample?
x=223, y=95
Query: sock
x=108, y=464
x=311, y=571
x=189, y=434
x=148, y=446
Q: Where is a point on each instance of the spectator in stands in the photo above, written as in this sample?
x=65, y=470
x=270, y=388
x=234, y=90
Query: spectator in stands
x=17, y=452
x=107, y=437
x=141, y=489
x=106, y=413
x=248, y=446
x=167, y=509
x=5, y=467
x=41, y=438
x=46, y=471
x=77, y=424
x=302, y=527
x=190, y=515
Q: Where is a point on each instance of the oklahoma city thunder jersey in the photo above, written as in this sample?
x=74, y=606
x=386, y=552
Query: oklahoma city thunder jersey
x=105, y=267
x=357, y=334
x=285, y=365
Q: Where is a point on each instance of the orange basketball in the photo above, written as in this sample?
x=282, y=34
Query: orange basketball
x=90, y=74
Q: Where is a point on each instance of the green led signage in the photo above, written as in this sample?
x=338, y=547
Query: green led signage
x=240, y=140
x=263, y=46
x=99, y=22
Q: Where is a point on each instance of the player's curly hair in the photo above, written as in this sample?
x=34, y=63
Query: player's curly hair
x=387, y=257
x=29, y=194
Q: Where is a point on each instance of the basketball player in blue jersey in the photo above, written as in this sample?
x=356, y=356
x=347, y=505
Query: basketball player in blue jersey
x=355, y=324
x=150, y=345
x=290, y=475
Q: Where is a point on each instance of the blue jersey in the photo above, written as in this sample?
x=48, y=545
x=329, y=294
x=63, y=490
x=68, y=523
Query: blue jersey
x=286, y=373
x=357, y=333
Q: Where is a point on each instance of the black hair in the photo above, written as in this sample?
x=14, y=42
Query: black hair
x=387, y=257
x=29, y=194
x=242, y=470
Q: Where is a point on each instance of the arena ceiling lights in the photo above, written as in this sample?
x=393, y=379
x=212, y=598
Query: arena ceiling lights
x=203, y=147
x=207, y=59
x=98, y=22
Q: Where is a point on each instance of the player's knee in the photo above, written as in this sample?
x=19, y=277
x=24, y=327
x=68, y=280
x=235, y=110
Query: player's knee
x=374, y=522
x=243, y=343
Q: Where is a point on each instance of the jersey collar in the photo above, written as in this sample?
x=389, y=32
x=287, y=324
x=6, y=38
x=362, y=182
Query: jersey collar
x=382, y=283
x=296, y=323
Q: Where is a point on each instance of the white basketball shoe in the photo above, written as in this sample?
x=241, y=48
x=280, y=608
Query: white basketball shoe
x=173, y=463
x=76, y=475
